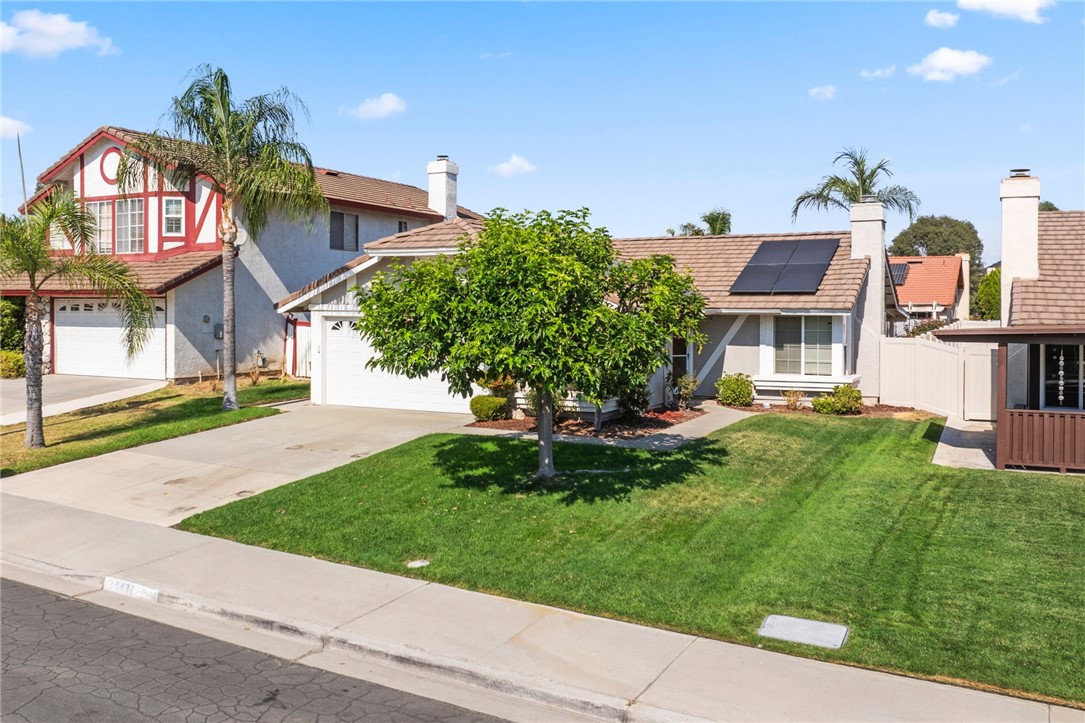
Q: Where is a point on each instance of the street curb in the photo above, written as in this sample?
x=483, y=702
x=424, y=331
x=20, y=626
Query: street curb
x=544, y=692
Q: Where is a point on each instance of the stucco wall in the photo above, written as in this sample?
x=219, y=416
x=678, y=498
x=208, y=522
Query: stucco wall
x=740, y=355
x=195, y=349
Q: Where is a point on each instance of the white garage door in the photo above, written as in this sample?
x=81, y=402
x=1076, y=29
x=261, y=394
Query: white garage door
x=349, y=383
x=89, y=340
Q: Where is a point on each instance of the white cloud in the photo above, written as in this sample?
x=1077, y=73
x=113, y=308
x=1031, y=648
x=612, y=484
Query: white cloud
x=495, y=56
x=885, y=72
x=513, y=167
x=9, y=128
x=945, y=64
x=822, y=92
x=1027, y=10
x=938, y=19
x=47, y=35
x=384, y=105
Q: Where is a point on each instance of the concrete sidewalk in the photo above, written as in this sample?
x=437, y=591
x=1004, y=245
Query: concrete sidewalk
x=573, y=662
x=970, y=445
x=715, y=417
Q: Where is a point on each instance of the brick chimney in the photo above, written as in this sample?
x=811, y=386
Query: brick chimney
x=442, y=186
x=868, y=240
x=1020, y=194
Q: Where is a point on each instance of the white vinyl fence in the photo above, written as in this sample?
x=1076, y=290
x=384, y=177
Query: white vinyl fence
x=948, y=379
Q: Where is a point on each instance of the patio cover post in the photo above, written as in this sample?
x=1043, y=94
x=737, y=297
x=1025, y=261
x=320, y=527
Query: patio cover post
x=1002, y=433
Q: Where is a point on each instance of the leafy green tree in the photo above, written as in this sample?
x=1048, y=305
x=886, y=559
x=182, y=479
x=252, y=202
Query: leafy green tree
x=26, y=254
x=1048, y=206
x=250, y=154
x=540, y=298
x=12, y=322
x=690, y=229
x=943, y=236
x=989, y=296
x=718, y=222
x=860, y=179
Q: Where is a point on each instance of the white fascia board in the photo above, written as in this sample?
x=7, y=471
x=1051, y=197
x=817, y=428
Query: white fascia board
x=401, y=253
x=291, y=305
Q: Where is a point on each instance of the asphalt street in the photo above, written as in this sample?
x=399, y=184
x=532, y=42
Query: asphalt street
x=69, y=660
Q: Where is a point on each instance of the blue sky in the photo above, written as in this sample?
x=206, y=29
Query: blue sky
x=648, y=114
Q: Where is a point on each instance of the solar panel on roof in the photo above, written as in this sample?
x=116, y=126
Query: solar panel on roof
x=786, y=267
x=899, y=272
x=757, y=279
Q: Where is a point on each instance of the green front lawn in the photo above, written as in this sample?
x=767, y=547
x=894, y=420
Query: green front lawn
x=169, y=412
x=955, y=574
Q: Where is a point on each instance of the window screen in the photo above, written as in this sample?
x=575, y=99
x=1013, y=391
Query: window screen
x=818, y=345
x=788, y=343
x=344, y=231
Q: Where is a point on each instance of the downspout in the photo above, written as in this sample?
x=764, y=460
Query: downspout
x=286, y=333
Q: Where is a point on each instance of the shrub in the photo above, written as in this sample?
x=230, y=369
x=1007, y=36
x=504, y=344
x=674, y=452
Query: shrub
x=531, y=404
x=794, y=398
x=926, y=326
x=501, y=386
x=636, y=400
x=683, y=388
x=12, y=320
x=488, y=408
x=735, y=390
x=844, y=399
x=12, y=365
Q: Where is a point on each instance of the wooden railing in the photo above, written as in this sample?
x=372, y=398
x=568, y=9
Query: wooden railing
x=1041, y=438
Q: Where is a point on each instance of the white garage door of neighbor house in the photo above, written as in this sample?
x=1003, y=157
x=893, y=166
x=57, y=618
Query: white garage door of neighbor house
x=347, y=381
x=88, y=339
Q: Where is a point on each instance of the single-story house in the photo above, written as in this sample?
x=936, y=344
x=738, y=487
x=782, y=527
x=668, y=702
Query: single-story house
x=932, y=287
x=800, y=311
x=169, y=237
x=1041, y=343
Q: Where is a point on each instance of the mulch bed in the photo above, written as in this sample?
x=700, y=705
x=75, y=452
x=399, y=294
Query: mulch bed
x=619, y=428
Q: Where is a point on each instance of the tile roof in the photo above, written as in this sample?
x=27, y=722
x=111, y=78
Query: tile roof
x=156, y=277
x=444, y=235
x=930, y=279
x=338, y=186
x=1058, y=296
x=716, y=261
x=322, y=280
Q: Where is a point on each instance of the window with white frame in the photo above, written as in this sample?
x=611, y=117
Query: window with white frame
x=679, y=356
x=102, y=238
x=803, y=345
x=129, y=214
x=402, y=226
x=1062, y=376
x=173, y=216
x=57, y=239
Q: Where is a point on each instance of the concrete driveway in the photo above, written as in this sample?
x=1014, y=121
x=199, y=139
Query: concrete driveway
x=165, y=482
x=63, y=393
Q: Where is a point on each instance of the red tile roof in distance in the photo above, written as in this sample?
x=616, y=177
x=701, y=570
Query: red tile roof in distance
x=930, y=279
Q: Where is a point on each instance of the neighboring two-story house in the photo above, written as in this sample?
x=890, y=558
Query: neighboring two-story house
x=169, y=237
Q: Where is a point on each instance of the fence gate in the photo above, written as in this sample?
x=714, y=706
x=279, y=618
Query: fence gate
x=946, y=379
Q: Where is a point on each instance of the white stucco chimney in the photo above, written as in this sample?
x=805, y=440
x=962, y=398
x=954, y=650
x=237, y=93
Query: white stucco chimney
x=1020, y=194
x=442, y=186
x=868, y=239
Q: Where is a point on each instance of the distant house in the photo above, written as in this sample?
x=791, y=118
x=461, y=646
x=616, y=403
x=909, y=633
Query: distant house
x=794, y=311
x=169, y=237
x=932, y=287
x=1041, y=345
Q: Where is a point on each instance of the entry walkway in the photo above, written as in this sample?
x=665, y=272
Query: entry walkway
x=577, y=663
x=970, y=445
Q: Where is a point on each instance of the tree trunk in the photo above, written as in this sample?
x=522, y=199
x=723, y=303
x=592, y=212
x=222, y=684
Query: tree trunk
x=32, y=347
x=228, y=230
x=598, y=418
x=545, y=423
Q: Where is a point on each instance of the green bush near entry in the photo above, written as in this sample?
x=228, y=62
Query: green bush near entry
x=487, y=408
x=844, y=399
x=735, y=390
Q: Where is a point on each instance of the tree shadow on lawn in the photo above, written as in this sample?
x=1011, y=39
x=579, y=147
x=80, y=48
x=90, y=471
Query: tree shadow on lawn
x=190, y=410
x=587, y=472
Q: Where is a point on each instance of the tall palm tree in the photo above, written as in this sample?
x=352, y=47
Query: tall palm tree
x=861, y=179
x=250, y=155
x=26, y=254
x=718, y=221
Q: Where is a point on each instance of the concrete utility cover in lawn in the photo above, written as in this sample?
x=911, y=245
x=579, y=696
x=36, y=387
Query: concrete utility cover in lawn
x=799, y=630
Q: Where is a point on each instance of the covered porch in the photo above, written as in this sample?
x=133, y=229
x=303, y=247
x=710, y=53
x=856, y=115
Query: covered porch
x=1042, y=423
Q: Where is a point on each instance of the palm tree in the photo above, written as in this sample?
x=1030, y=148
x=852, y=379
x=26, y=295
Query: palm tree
x=718, y=221
x=250, y=155
x=861, y=180
x=26, y=255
